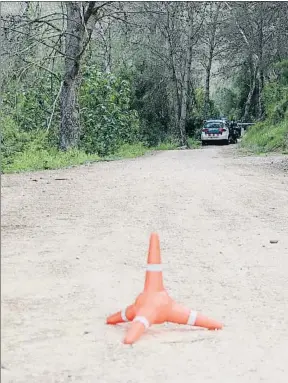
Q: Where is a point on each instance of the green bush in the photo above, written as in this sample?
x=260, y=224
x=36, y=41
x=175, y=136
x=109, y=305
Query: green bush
x=15, y=141
x=272, y=134
x=30, y=103
x=194, y=143
x=106, y=117
x=275, y=99
x=227, y=102
x=266, y=137
x=150, y=97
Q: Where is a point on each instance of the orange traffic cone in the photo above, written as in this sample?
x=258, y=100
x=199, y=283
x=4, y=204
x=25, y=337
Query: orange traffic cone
x=154, y=277
x=154, y=306
x=125, y=315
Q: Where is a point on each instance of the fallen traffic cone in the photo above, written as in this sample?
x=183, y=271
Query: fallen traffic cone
x=154, y=306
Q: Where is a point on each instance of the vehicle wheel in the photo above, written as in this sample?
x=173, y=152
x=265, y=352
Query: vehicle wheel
x=204, y=143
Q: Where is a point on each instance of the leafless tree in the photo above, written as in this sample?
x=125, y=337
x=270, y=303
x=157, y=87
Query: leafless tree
x=212, y=45
x=255, y=23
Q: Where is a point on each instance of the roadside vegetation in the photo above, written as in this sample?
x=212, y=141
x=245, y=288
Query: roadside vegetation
x=267, y=137
x=92, y=81
x=271, y=134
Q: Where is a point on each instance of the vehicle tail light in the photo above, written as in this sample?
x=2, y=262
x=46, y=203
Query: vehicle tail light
x=205, y=130
x=222, y=130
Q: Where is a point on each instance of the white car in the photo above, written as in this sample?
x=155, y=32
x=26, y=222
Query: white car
x=215, y=130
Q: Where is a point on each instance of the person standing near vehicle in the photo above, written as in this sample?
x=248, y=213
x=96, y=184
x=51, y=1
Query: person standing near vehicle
x=233, y=132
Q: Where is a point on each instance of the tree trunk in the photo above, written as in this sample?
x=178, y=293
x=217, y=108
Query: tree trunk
x=171, y=49
x=193, y=102
x=174, y=74
x=207, y=88
x=185, y=86
x=108, y=56
x=261, y=110
x=1, y=57
x=261, y=71
x=212, y=32
x=254, y=71
x=70, y=122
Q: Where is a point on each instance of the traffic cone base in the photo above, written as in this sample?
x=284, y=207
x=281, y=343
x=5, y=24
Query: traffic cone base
x=154, y=305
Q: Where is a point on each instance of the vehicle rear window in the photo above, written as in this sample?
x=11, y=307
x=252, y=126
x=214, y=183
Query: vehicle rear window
x=213, y=125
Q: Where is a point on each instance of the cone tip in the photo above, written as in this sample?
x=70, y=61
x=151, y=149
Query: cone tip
x=154, y=249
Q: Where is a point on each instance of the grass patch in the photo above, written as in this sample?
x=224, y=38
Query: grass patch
x=37, y=158
x=30, y=160
x=265, y=137
x=129, y=151
x=167, y=145
x=193, y=143
x=172, y=145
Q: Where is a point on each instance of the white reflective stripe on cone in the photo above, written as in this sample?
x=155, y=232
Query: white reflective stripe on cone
x=192, y=318
x=154, y=267
x=123, y=315
x=143, y=320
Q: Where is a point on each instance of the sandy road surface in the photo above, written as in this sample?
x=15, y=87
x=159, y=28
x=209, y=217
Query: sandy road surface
x=74, y=251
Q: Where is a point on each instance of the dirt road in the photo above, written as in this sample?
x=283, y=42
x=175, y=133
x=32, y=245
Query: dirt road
x=74, y=249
